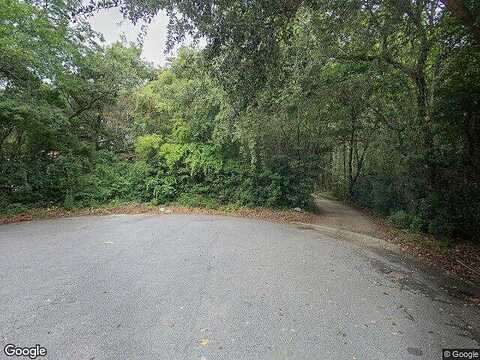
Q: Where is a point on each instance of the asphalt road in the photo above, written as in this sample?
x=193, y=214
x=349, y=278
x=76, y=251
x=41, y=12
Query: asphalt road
x=201, y=287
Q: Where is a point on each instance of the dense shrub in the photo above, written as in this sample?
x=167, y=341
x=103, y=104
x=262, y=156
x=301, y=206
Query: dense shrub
x=193, y=175
x=403, y=220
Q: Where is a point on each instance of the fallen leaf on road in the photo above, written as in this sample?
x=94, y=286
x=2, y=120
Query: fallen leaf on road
x=204, y=342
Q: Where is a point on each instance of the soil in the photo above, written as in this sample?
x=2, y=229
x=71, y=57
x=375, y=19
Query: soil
x=338, y=215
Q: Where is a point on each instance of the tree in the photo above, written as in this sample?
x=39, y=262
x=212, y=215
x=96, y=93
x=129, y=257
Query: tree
x=56, y=82
x=462, y=12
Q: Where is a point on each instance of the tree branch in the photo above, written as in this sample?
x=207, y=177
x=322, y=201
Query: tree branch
x=460, y=11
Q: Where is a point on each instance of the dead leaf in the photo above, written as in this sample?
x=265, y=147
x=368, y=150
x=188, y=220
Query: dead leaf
x=204, y=342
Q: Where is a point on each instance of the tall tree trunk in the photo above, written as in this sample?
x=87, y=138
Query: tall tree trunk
x=345, y=161
x=351, y=181
x=425, y=116
x=350, y=170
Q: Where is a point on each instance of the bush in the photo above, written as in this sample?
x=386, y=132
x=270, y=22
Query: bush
x=400, y=219
x=69, y=202
x=441, y=227
x=403, y=220
x=417, y=224
x=198, y=200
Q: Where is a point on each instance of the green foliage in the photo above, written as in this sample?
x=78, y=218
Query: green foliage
x=196, y=199
x=404, y=220
x=147, y=147
x=58, y=83
x=184, y=133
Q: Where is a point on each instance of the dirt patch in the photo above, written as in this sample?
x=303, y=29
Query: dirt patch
x=338, y=215
x=460, y=259
x=281, y=216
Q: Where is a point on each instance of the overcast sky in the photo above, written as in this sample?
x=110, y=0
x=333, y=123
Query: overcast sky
x=112, y=25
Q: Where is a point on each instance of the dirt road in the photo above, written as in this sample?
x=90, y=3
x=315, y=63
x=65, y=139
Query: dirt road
x=338, y=215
